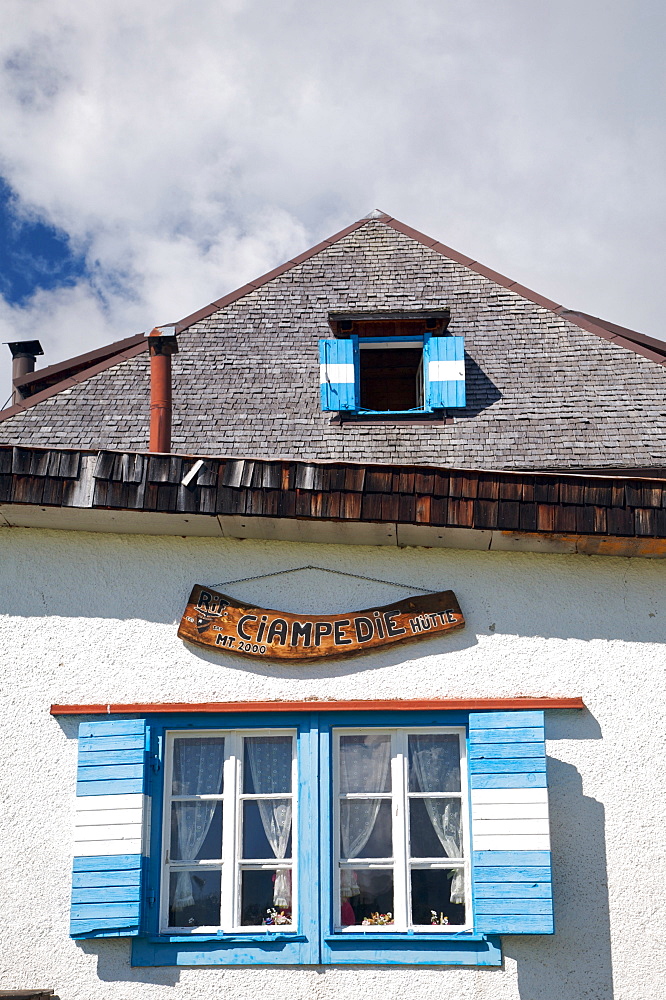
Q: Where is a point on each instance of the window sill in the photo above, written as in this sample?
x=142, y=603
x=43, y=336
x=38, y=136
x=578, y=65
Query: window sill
x=231, y=938
x=440, y=937
x=389, y=417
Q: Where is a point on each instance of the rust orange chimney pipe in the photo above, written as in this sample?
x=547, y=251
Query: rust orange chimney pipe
x=161, y=346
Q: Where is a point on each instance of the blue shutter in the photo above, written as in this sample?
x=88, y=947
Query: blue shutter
x=444, y=372
x=109, y=829
x=511, y=870
x=338, y=374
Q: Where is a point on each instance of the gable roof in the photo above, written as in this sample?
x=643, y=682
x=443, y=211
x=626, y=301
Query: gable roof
x=382, y=240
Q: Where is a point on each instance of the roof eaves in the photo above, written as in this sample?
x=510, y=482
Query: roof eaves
x=620, y=331
x=81, y=361
x=276, y=272
x=71, y=381
x=636, y=342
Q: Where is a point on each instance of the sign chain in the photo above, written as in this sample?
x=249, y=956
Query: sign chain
x=324, y=569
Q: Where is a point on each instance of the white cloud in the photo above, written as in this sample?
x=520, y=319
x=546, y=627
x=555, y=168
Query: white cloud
x=189, y=146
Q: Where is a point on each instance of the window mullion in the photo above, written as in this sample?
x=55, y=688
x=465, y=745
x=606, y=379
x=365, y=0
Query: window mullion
x=166, y=837
x=228, y=906
x=400, y=873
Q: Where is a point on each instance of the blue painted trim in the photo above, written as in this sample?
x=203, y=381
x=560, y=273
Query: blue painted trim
x=263, y=951
x=504, y=907
x=96, y=880
x=104, y=743
x=92, y=911
x=526, y=872
x=526, y=735
x=517, y=719
x=103, y=756
x=114, y=772
x=443, y=393
x=107, y=891
x=530, y=780
x=514, y=889
x=414, y=950
x=129, y=893
x=108, y=863
x=518, y=859
x=298, y=948
x=115, y=727
x=339, y=396
x=350, y=948
x=505, y=751
x=507, y=873
x=522, y=923
x=80, y=929
x=508, y=766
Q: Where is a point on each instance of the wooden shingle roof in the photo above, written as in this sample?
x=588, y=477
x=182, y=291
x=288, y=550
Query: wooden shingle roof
x=547, y=388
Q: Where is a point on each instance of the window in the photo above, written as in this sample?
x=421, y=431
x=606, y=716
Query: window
x=399, y=808
x=400, y=365
x=308, y=837
x=227, y=831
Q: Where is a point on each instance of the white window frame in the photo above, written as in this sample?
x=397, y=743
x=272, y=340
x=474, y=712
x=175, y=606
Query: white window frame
x=401, y=863
x=231, y=864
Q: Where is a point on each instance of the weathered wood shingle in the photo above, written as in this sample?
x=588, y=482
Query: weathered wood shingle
x=543, y=391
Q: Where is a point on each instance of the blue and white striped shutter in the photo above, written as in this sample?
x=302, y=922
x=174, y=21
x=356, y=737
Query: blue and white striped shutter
x=511, y=869
x=338, y=374
x=109, y=829
x=444, y=364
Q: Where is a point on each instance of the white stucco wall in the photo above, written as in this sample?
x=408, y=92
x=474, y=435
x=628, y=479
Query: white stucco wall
x=92, y=618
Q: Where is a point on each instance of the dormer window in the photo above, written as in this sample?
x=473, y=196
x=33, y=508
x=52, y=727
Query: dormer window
x=391, y=363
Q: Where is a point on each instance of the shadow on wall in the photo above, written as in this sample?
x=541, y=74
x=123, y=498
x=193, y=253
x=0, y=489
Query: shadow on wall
x=575, y=963
x=481, y=392
x=113, y=964
x=338, y=666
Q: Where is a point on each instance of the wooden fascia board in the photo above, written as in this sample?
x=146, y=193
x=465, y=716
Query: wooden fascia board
x=527, y=293
x=73, y=380
x=314, y=705
x=276, y=272
x=100, y=354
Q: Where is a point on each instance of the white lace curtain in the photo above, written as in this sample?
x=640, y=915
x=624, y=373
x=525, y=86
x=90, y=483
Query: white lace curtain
x=364, y=766
x=432, y=769
x=270, y=767
x=197, y=770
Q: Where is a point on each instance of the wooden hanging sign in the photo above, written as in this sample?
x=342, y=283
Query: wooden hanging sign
x=221, y=622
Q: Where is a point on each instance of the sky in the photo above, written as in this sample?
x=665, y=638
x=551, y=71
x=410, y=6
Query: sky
x=156, y=155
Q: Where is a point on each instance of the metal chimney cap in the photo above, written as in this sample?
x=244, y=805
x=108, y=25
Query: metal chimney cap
x=162, y=340
x=24, y=348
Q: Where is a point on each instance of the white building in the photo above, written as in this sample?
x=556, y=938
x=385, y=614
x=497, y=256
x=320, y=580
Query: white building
x=253, y=816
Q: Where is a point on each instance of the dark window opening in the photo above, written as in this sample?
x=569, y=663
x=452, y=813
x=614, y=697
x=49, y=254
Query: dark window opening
x=391, y=378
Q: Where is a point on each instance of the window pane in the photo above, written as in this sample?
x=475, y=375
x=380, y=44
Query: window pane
x=196, y=830
x=366, y=894
x=265, y=897
x=438, y=896
x=194, y=899
x=197, y=766
x=434, y=763
x=435, y=829
x=267, y=765
x=267, y=828
x=365, y=828
x=365, y=763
